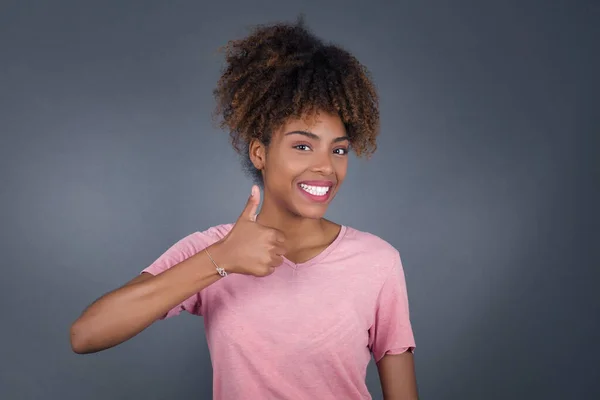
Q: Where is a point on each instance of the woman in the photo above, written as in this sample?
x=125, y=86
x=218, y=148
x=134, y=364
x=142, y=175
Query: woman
x=294, y=304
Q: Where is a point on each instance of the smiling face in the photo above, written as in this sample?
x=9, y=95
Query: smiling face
x=304, y=165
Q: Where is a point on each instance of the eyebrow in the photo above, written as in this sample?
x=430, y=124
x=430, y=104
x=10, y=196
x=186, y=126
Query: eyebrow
x=316, y=137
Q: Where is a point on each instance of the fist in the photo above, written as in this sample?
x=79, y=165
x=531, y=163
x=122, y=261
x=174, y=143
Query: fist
x=251, y=248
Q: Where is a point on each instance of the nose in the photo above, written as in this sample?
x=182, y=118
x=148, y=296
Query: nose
x=323, y=164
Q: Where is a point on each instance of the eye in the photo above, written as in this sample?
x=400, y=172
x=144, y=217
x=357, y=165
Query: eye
x=341, y=151
x=302, y=147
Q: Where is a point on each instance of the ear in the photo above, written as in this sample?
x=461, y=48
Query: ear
x=257, y=152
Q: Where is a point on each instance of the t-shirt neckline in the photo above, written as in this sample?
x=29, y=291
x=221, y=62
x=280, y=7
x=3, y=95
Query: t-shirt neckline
x=322, y=254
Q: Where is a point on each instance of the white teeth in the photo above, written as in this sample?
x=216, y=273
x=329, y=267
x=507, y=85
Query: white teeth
x=315, y=190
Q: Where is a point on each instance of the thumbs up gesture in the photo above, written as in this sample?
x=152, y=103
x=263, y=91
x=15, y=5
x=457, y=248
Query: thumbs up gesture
x=251, y=248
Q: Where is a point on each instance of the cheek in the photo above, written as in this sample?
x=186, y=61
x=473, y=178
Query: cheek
x=286, y=165
x=341, y=167
x=280, y=169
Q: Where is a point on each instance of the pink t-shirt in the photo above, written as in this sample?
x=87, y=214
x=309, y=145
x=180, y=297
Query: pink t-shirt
x=308, y=330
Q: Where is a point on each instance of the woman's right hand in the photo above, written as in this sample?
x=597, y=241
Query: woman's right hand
x=250, y=248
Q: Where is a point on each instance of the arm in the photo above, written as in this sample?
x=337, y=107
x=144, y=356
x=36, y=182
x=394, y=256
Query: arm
x=397, y=376
x=391, y=332
x=123, y=313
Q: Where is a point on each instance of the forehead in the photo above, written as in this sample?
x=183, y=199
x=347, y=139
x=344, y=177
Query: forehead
x=321, y=124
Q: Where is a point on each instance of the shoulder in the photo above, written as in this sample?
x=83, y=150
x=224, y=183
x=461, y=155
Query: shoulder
x=188, y=246
x=198, y=240
x=372, y=247
x=216, y=232
x=367, y=241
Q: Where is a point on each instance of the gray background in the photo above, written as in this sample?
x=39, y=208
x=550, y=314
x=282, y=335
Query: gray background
x=485, y=180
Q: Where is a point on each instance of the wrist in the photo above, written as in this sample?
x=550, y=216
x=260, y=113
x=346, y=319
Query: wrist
x=221, y=257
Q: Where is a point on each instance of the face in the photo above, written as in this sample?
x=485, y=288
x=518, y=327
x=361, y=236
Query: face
x=304, y=164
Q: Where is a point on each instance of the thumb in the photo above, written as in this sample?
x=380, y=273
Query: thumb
x=249, y=212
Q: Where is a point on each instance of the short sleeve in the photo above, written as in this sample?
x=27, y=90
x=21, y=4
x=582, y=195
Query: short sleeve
x=177, y=253
x=391, y=332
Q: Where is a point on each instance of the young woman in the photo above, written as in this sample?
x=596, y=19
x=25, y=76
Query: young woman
x=294, y=304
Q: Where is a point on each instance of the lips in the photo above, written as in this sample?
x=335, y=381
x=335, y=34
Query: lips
x=316, y=190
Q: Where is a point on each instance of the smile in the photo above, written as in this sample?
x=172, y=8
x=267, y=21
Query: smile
x=315, y=190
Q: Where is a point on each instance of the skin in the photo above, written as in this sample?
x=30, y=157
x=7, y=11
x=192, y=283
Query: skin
x=288, y=224
x=305, y=149
x=397, y=376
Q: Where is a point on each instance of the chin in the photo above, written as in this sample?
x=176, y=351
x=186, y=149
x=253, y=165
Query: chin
x=311, y=214
x=310, y=211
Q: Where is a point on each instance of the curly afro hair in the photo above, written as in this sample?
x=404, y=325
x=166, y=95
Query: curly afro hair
x=284, y=71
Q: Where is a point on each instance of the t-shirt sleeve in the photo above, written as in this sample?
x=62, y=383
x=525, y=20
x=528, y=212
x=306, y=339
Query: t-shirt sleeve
x=180, y=251
x=391, y=332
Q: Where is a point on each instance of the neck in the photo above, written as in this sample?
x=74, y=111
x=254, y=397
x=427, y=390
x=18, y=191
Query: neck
x=295, y=228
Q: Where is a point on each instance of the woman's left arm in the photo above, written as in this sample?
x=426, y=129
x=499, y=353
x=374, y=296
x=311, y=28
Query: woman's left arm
x=397, y=376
